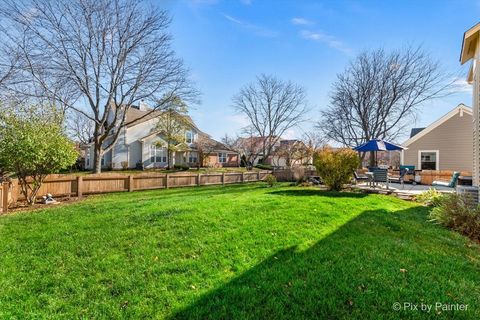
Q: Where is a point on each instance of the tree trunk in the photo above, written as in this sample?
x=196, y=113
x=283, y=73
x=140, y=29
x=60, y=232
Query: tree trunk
x=372, y=159
x=97, y=157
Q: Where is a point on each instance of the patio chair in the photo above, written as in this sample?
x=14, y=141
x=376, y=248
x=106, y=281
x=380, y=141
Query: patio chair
x=450, y=184
x=401, y=178
x=380, y=176
x=360, y=177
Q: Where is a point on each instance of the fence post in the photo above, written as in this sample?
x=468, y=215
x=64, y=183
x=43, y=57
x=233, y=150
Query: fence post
x=243, y=177
x=223, y=177
x=5, y=197
x=79, y=186
x=258, y=175
x=130, y=183
x=198, y=180
x=166, y=180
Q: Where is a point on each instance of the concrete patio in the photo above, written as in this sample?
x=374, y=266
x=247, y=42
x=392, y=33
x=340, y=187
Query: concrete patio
x=406, y=191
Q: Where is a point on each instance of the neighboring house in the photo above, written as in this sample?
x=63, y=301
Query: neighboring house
x=289, y=153
x=284, y=152
x=251, y=148
x=445, y=144
x=140, y=145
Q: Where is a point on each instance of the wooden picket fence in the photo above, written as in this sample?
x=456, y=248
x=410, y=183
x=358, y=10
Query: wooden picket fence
x=4, y=193
x=77, y=186
x=428, y=176
x=293, y=174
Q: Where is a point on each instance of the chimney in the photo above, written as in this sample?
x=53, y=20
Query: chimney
x=143, y=106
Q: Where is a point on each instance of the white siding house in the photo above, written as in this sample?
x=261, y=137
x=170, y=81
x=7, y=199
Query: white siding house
x=138, y=145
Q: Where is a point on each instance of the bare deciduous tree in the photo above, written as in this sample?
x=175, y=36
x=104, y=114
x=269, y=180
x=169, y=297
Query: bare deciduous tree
x=378, y=94
x=97, y=57
x=313, y=141
x=79, y=127
x=272, y=106
x=205, y=146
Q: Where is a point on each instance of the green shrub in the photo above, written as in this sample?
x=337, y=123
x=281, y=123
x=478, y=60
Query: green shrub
x=33, y=145
x=270, y=179
x=456, y=212
x=182, y=167
x=432, y=197
x=264, y=166
x=335, y=167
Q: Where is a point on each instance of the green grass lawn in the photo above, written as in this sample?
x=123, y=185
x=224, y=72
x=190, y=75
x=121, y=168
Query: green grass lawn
x=244, y=251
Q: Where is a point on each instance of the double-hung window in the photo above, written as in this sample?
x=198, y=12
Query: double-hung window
x=428, y=159
x=189, y=137
x=192, y=157
x=222, y=157
x=157, y=154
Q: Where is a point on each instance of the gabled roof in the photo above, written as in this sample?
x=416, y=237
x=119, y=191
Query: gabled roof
x=461, y=108
x=469, y=43
x=136, y=116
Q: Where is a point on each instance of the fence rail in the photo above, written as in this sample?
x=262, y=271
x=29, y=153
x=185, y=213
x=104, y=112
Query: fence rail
x=70, y=185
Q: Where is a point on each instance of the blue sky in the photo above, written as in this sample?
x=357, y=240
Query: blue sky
x=226, y=43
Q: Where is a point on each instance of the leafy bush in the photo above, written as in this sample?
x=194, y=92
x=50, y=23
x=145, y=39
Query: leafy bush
x=270, y=179
x=182, y=167
x=32, y=146
x=335, y=167
x=456, y=212
x=264, y=166
x=432, y=197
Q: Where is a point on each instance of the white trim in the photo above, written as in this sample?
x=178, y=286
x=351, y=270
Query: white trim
x=460, y=107
x=402, y=157
x=437, y=158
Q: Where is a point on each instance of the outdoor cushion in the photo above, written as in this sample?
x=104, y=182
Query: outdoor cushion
x=441, y=183
x=451, y=184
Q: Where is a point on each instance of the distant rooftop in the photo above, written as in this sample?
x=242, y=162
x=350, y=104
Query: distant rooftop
x=415, y=131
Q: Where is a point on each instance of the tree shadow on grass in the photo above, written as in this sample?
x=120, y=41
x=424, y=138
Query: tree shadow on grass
x=359, y=271
x=319, y=193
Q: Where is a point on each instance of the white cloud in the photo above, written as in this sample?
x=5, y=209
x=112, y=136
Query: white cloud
x=258, y=30
x=301, y=21
x=461, y=85
x=289, y=134
x=329, y=40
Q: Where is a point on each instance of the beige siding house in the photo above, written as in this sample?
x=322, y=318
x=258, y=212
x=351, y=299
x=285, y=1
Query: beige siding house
x=471, y=52
x=445, y=144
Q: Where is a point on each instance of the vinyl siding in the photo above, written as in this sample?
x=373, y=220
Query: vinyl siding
x=453, y=139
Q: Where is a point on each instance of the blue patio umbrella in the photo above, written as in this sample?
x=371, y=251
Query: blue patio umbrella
x=378, y=145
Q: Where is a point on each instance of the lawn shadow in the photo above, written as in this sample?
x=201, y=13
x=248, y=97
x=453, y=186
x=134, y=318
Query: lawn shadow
x=319, y=193
x=355, y=272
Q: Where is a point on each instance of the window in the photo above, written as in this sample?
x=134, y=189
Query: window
x=103, y=161
x=428, y=159
x=189, y=137
x=222, y=157
x=157, y=154
x=192, y=157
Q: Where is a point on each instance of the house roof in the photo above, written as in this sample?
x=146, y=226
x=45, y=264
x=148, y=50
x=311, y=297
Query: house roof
x=415, y=131
x=461, y=108
x=136, y=116
x=469, y=43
